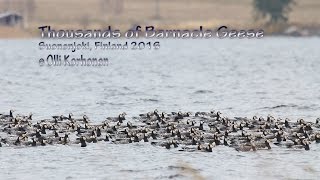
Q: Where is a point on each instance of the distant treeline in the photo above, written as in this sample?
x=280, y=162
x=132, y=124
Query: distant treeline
x=273, y=10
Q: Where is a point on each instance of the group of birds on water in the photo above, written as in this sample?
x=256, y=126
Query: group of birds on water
x=186, y=131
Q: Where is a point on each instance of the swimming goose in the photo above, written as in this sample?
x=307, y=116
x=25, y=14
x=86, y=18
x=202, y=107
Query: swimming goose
x=17, y=142
x=246, y=147
x=42, y=143
x=286, y=123
x=209, y=148
x=33, y=143
x=83, y=141
x=317, y=138
x=10, y=115
x=263, y=145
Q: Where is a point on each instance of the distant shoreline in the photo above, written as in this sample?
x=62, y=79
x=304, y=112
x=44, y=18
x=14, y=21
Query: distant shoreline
x=290, y=30
x=175, y=14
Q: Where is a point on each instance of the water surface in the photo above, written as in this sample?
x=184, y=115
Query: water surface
x=278, y=76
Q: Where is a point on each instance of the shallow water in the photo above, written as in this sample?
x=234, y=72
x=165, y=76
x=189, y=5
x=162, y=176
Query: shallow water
x=143, y=161
x=278, y=76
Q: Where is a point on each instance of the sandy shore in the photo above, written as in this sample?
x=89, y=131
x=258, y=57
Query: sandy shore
x=73, y=14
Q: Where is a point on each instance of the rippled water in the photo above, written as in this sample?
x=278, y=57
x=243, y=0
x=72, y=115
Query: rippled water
x=278, y=76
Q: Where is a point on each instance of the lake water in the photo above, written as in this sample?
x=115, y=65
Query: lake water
x=278, y=76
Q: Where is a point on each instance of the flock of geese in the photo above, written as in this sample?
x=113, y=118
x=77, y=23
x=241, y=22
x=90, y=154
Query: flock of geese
x=185, y=131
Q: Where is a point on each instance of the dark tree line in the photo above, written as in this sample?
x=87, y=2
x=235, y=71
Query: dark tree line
x=273, y=11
